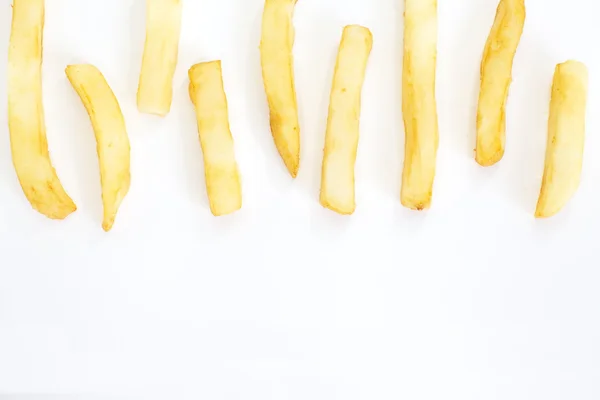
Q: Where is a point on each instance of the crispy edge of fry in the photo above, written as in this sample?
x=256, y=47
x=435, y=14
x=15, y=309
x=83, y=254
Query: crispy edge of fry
x=566, y=137
x=111, y=136
x=276, y=44
x=496, y=77
x=207, y=94
x=29, y=145
x=341, y=137
x=161, y=48
x=419, y=107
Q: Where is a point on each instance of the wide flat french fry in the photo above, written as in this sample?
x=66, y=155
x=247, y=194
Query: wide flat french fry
x=163, y=27
x=277, y=41
x=566, y=135
x=220, y=167
x=26, y=124
x=496, y=76
x=418, y=102
x=341, y=138
x=111, y=136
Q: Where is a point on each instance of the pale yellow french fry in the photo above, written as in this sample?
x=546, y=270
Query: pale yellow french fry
x=341, y=138
x=111, y=136
x=566, y=135
x=277, y=41
x=163, y=27
x=220, y=167
x=496, y=76
x=418, y=102
x=26, y=124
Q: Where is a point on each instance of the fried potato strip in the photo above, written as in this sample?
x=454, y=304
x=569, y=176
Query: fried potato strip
x=341, y=138
x=566, y=134
x=220, y=167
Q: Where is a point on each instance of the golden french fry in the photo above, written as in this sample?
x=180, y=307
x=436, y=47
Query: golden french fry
x=111, y=136
x=163, y=26
x=566, y=134
x=220, y=168
x=496, y=76
x=341, y=138
x=26, y=124
x=276, y=45
x=418, y=102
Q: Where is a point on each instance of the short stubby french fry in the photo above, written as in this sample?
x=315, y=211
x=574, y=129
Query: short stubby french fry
x=111, y=136
x=566, y=135
x=496, y=76
x=26, y=124
x=277, y=41
x=341, y=137
x=220, y=167
x=163, y=27
x=418, y=102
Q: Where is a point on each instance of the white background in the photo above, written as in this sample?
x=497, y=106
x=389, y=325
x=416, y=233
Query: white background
x=473, y=299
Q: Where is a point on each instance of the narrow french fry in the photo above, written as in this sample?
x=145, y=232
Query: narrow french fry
x=220, y=167
x=566, y=135
x=341, y=138
x=277, y=41
x=418, y=102
x=26, y=124
x=111, y=136
x=163, y=27
x=496, y=76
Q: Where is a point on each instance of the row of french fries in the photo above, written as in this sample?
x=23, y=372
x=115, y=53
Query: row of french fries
x=566, y=125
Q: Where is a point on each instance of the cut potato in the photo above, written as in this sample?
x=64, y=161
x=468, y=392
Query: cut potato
x=418, y=102
x=220, y=168
x=28, y=141
x=163, y=26
x=276, y=45
x=496, y=76
x=111, y=136
x=341, y=138
x=566, y=133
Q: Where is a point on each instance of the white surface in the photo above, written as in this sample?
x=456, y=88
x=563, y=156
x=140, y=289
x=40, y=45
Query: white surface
x=284, y=300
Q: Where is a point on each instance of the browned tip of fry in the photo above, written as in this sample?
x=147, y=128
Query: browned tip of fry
x=487, y=160
x=108, y=224
x=289, y=150
x=56, y=211
x=415, y=203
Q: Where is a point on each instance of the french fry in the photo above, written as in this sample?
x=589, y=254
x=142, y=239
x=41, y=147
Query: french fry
x=418, y=102
x=277, y=41
x=496, y=76
x=220, y=167
x=566, y=134
x=163, y=27
x=341, y=138
x=26, y=124
x=111, y=136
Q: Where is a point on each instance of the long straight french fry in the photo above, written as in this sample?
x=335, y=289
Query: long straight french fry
x=566, y=135
x=163, y=27
x=496, y=76
x=220, y=167
x=26, y=124
x=341, y=138
x=111, y=136
x=277, y=41
x=418, y=102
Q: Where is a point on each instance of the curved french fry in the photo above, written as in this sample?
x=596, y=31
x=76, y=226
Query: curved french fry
x=418, y=103
x=341, y=138
x=566, y=135
x=276, y=45
x=28, y=141
x=161, y=48
x=111, y=136
x=496, y=76
x=220, y=168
